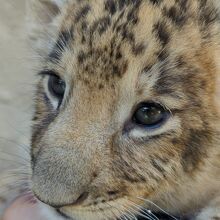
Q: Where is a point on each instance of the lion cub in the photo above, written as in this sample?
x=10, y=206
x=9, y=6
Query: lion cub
x=127, y=117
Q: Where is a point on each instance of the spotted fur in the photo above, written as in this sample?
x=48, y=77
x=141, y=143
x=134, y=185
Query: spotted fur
x=114, y=54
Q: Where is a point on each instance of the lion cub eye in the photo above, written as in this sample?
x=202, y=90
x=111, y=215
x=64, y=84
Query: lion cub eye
x=56, y=87
x=150, y=115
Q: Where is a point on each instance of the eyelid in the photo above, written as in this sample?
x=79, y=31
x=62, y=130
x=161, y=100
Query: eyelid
x=172, y=126
x=48, y=73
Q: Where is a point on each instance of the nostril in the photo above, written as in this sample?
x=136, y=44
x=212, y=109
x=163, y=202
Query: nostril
x=57, y=206
x=81, y=198
x=112, y=193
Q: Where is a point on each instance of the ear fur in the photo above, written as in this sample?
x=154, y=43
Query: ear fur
x=42, y=23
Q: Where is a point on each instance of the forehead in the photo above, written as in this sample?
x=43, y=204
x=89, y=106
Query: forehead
x=101, y=41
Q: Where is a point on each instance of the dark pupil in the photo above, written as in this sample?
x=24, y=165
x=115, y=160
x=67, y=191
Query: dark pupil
x=56, y=86
x=149, y=115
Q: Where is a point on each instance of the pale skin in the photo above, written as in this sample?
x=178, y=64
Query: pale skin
x=21, y=209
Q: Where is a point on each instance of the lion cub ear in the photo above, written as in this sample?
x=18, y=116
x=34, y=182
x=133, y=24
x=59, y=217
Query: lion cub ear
x=43, y=22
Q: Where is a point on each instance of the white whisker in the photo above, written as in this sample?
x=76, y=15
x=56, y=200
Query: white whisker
x=159, y=208
x=141, y=210
x=140, y=214
x=112, y=207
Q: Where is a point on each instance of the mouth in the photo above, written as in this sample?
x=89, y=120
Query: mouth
x=144, y=214
x=155, y=216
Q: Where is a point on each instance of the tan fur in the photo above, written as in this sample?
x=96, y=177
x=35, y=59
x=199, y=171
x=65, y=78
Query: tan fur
x=112, y=60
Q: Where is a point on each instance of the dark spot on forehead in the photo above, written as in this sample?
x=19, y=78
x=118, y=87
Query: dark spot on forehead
x=132, y=16
x=101, y=86
x=116, y=70
x=203, y=3
x=122, y=3
x=208, y=13
x=128, y=35
x=183, y=4
x=84, y=26
x=101, y=65
x=118, y=55
x=110, y=6
x=82, y=13
x=161, y=32
x=162, y=55
x=62, y=43
x=81, y=57
x=101, y=25
x=156, y=2
x=138, y=49
x=176, y=15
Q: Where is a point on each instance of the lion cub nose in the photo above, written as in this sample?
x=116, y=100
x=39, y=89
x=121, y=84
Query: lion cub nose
x=57, y=196
x=76, y=202
x=58, y=184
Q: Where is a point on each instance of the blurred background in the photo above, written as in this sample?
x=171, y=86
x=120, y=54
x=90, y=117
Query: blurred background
x=16, y=83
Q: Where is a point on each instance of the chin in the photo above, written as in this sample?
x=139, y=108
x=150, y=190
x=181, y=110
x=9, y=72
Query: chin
x=103, y=211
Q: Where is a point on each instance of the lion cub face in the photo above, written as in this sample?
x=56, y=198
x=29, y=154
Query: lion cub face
x=124, y=104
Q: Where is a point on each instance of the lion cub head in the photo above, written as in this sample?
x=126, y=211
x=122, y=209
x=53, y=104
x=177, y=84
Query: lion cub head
x=125, y=103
